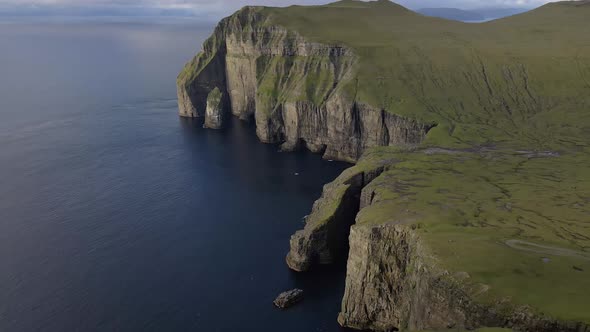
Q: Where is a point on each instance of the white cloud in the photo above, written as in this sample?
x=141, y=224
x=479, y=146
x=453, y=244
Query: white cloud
x=222, y=7
x=470, y=4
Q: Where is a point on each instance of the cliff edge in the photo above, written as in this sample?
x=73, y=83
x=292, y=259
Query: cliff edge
x=300, y=93
x=468, y=202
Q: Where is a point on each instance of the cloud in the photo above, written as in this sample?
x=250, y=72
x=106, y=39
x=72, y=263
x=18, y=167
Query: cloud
x=470, y=4
x=211, y=8
x=200, y=8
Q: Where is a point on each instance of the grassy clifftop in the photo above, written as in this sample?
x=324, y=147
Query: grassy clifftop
x=500, y=190
x=523, y=79
x=515, y=222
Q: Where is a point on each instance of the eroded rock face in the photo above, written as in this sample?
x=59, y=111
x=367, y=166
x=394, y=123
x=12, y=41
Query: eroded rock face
x=389, y=285
x=201, y=75
x=297, y=91
x=393, y=284
x=214, y=113
x=325, y=236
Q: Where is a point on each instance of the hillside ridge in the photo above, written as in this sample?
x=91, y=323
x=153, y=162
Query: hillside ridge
x=466, y=139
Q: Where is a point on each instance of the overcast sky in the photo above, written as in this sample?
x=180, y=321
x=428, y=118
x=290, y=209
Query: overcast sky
x=216, y=7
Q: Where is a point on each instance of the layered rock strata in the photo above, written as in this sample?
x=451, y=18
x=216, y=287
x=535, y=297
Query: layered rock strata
x=299, y=93
x=393, y=284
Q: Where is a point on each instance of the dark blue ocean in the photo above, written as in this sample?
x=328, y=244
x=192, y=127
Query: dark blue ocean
x=117, y=215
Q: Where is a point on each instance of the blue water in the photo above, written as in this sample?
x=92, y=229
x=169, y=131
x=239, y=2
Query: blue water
x=116, y=215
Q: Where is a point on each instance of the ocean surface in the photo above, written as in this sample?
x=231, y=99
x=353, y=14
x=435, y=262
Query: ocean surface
x=117, y=215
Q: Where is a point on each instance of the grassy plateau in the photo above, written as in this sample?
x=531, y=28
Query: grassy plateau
x=500, y=189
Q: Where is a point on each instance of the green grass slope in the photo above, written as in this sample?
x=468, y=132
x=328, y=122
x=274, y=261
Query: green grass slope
x=523, y=79
x=501, y=188
x=517, y=222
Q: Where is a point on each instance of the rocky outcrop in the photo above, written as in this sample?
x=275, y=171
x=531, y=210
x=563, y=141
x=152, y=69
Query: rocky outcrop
x=288, y=298
x=300, y=93
x=201, y=75
x=214, y=114
x=325, y=236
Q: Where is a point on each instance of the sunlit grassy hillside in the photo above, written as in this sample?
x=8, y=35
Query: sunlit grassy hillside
x=521, y=81
x=501, y=187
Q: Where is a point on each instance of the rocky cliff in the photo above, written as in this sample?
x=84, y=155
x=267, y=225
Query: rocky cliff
x=394, y=284
x=325, y=236
x=298, y=92
x=395, y=279
x=425, y=217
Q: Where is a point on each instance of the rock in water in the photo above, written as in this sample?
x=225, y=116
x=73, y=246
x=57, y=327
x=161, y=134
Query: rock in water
x=214, y=112
x=288, y=298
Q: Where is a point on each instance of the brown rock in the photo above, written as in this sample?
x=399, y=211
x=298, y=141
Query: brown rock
x=288, y=298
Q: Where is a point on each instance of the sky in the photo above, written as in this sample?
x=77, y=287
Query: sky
x=208, y=8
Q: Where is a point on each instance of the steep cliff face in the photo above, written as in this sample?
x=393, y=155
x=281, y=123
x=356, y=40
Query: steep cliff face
x=203, y=74
x=394, y=284
x=497, y=95
x=391, y=286
x=396, y=279
x=325, y=236
x=298, y=92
